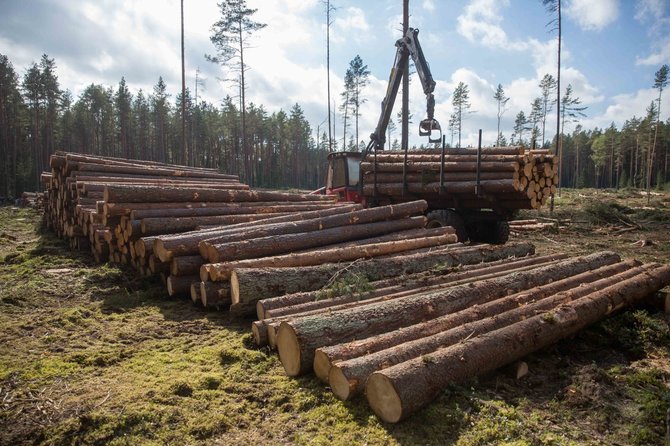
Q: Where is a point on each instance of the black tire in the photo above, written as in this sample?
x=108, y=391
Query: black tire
x=500, y=233
x=494, y=232
x=447, y=217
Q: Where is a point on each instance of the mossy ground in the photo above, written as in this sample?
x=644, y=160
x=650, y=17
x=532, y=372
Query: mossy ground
x=90, y=354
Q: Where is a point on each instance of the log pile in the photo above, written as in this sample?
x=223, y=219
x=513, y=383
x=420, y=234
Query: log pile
x=196, y=227
x=403, y=339
x=502, y=177
x=117, y=206
x=33, y=200
x=248, y=261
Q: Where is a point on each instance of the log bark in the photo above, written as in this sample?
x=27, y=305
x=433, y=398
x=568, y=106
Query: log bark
x=389, y=293
x=269, y=282
x=414, y=167
x=155, y=226
x=120, y=209
x=214, y=295
x=186, y=265
x=187, y=244
x=222, y=271
x=280, y=244
x=396, y=392
x=224, y=210
x=297, y=339
x=180, y=285
x=311, y=300
x=390, y=157
x=457, y=187
x=411, y=287
x=157, y=194
x=317, y=257
x=350, y=370
x=432, y=177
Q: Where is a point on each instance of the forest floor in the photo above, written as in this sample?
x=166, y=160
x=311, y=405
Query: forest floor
x=90, y=354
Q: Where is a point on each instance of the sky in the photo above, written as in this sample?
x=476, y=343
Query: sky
x=611, y=51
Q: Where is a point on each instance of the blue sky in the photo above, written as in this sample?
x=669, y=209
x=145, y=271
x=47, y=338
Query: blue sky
x=612, y=48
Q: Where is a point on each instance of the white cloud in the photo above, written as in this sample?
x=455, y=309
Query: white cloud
x=653, y=14
x=351, y=20
x=624, y=107
x=429, y=5
x=593, y=15
x=480, y=22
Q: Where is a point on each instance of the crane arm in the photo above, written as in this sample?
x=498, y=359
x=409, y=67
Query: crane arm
x=407, y=46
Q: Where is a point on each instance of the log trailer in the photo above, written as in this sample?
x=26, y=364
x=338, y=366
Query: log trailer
x=355, y=176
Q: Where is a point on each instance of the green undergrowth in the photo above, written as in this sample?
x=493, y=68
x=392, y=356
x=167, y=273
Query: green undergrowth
x=90, y=354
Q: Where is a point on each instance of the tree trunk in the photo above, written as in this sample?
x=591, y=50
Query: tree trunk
x=322, y=232
x=511, y=166
x=397, y=392
x=350, y=370
x=157, y=194
x=300, y=302
x=166, y=225
x=271, y=282
x=186, y=265
x=297, y=339
x=187, y=244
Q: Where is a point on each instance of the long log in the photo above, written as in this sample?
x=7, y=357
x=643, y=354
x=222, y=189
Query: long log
x=166, y=225
x=187, y=244
x=397, y=392
x=120, y=209
x=156, y=194
x=395, y=292
x=432, y=177
x=139, y=214
x=511, y=166
x=390, y=157
x=505, y=150
x=222, y=271
x=271, y=282
x=297, y=339
x=351, y=367
x=311, y=300
x=456, y=187
x=321, y=232
x=144, y=170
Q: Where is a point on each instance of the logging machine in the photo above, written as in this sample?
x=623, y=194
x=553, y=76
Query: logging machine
x=479, y=219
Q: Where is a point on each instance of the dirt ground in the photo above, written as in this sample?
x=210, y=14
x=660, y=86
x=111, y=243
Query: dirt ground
x=90, y=354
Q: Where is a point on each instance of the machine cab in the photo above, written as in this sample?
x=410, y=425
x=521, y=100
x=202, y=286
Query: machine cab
x=344, y=175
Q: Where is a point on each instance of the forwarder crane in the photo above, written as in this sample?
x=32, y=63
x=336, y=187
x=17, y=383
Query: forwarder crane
x=407, y=46
x=344, y=177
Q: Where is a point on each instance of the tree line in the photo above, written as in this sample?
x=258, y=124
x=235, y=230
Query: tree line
x=37, y=118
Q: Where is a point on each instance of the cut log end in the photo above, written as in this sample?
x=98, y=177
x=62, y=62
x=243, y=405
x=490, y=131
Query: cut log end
x=260, y=332
x=235, y=289
x=288, y=347
x=383, y=398
x=195, y=292
x=321, y=365
x=341, y=386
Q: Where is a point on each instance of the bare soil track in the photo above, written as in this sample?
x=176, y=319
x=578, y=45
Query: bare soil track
x=90, y=354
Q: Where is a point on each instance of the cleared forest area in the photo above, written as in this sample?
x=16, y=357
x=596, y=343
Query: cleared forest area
x=91, y=354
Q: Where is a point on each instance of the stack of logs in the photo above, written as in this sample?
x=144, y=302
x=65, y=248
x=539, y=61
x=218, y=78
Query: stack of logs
x=33, y=200
x=509, y=177
x=239, y=265
x=196, y=227
x=402, y=340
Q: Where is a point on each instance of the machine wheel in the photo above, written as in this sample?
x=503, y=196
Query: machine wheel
x=500, y=233
x=447, y=217
x=494, y=232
